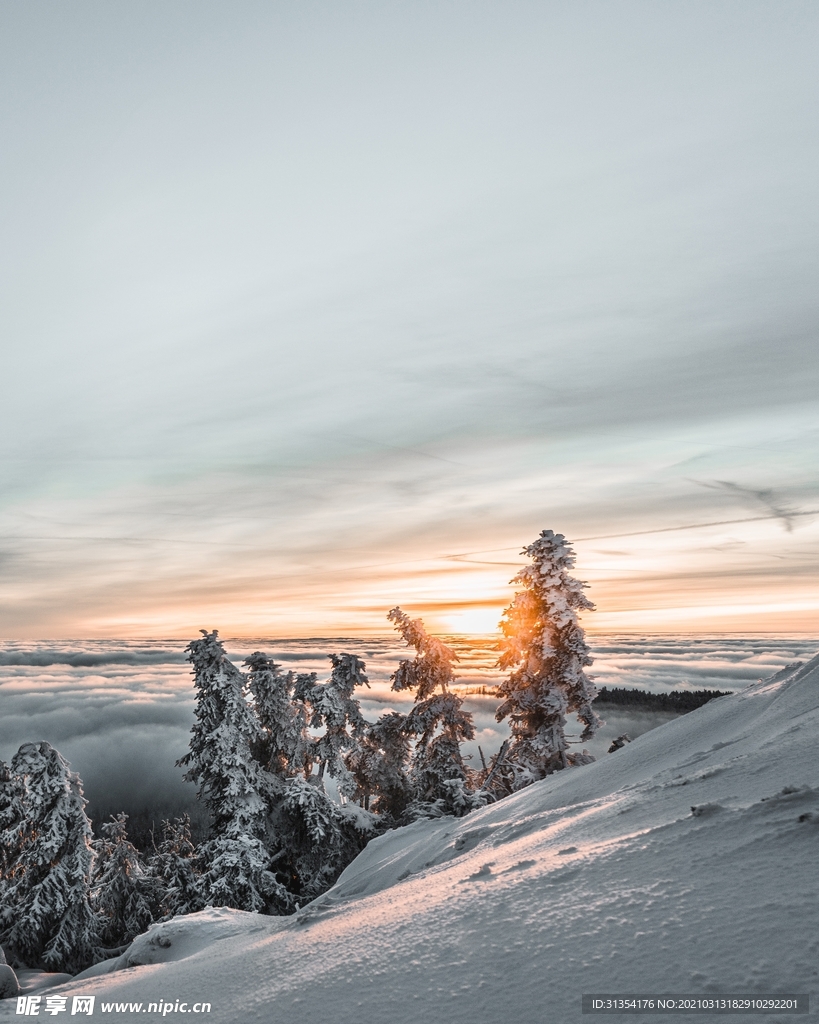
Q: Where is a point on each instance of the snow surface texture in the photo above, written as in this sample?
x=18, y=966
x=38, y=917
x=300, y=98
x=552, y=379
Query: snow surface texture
x=684, y=863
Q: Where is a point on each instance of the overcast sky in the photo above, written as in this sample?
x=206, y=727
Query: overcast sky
x=313, y=309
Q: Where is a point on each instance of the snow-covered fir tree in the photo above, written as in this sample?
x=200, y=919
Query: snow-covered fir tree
x=379, y=765
x=46, y=918
x=277, y=838
x=173, y=865
x=338, y=713
x=318, y=836
x=301, y=824
x=234, y=860
x=545, y=648
x=284, y=747
x=321, y=837
x=10, y=809
x=124, y=894
x=439, y=776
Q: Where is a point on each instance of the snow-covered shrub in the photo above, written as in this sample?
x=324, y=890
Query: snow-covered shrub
x=46, y=918
x=9, y=985
x=544, y=646
x=236, y=871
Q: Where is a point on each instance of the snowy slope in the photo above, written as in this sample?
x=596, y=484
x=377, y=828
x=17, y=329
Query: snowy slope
x=600, y=878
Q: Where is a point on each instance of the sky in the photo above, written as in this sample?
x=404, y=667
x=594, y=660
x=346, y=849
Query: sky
x=312, y=309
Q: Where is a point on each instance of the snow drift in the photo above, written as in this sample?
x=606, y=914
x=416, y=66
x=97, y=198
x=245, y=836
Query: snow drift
x=683, y=863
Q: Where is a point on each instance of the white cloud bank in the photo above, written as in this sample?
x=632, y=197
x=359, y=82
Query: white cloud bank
x=121, y=712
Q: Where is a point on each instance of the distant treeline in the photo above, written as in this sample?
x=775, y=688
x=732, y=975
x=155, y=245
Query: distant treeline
x=680, y=700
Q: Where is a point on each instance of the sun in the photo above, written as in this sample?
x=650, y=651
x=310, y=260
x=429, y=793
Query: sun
x=472, y=620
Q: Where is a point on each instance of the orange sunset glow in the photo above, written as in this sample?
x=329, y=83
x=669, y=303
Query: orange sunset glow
x=688, y=580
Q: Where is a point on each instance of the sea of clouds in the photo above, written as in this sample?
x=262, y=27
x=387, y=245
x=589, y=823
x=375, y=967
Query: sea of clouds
x=121, y=711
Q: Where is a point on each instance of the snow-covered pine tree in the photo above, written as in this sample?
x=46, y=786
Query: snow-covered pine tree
x=338, y=712
x=276, y=836
x=125, y=896
x=234, y=860
x=379, y=765
x=438, y=773
x=319, y=838
x=285, y=746
x=286, y=750
x=173, y=866
x=545, y=647
x=46, y=917
x=10, y=811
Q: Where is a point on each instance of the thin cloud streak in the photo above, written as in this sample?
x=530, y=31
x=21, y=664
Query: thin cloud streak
x=702, y=526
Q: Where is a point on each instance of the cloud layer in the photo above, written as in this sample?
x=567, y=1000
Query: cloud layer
x=122, y=712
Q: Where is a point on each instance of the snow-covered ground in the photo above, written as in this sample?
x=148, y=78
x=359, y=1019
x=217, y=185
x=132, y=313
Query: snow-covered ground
x=687, y=862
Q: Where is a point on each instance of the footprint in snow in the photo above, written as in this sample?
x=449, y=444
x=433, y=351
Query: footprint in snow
x=706, y=810
x=481, y=875
x=521, y=865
